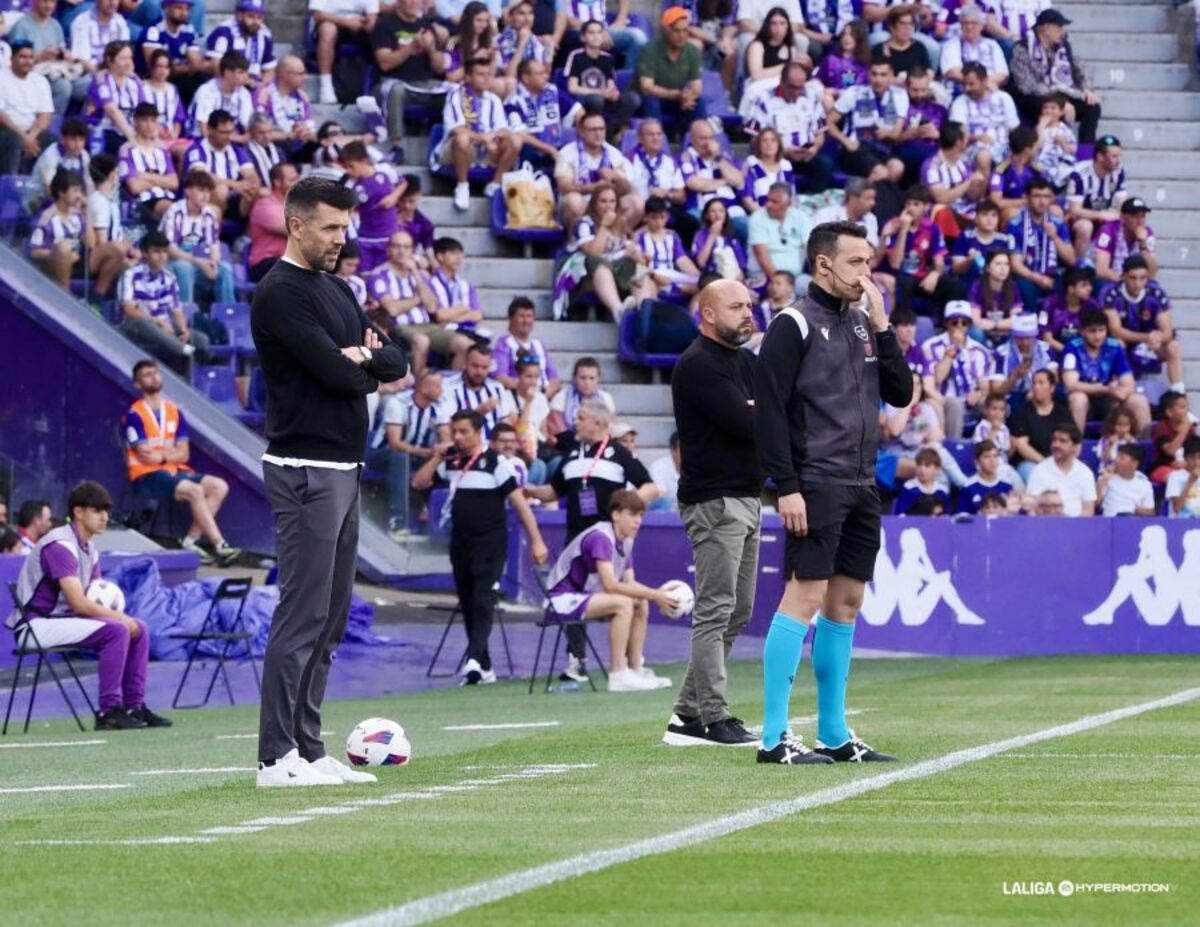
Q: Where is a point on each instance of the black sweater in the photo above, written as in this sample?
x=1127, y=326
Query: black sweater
x=316, y=396
x=713, y=391
x=820, y=375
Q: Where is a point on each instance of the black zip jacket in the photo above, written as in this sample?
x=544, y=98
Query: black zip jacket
x=820, y=375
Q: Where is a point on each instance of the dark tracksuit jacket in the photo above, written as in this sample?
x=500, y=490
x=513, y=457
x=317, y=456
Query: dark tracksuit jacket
x=820, y=375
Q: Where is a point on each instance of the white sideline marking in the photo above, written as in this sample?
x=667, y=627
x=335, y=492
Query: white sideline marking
x=181, y=772
x=255, y=736
x=238, y=829
x=63, y=788
x=53, y=743
x=326, y=810
x=117, y=841
x=1100, y=756
x=446, y=904
x=516, y=725
x=276, y=822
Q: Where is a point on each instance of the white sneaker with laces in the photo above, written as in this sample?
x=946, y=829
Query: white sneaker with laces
x=462, y=197
x=627, y=680
x=290, y=771
x=491, y=189
x=328, y=766
x=660, y=682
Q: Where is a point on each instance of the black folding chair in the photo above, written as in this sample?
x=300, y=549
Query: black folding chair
x=234, y=589
x=455, y=611
x=541, y=573
x=27, y=643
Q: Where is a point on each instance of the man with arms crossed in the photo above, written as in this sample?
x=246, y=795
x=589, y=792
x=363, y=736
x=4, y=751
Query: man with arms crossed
x=321, y=358
x=822, y=370
x=719, y=487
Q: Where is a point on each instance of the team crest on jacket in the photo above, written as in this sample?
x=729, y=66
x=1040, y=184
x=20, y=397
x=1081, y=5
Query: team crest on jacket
x=861, y=331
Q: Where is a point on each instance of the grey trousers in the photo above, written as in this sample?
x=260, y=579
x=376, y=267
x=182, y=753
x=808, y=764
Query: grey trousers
x=724, y=535
x=316, y=524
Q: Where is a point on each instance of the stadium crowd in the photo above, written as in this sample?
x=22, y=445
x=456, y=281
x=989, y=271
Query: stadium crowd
x=154, y=160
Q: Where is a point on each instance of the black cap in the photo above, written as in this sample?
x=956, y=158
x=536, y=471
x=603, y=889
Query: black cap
x=1133, y=205
x=1051, y=17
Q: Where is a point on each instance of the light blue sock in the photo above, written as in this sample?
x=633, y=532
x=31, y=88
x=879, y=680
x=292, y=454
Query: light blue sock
x=781, y=658
x=832, y=643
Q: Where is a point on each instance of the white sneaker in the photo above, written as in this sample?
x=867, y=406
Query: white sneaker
x=462, y=197
x=327, y=95
x=660, y=682
x=475, y=675
x=291, y=771
x=490, y=190
x=575, y=670
x=627, y=680
x=328, y=766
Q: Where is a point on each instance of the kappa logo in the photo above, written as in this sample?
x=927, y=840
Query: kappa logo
x=861, y=331
x=825, y=332
x=913, y=586
x=1154, y=584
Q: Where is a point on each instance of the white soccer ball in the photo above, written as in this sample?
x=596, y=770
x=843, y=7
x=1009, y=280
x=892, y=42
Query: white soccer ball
x=683, y=595
x=106, y=593
x=378, y=742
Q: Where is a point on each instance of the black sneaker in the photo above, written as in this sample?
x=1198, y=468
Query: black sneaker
x=118, y=720
x=576, y=670
x=226, y=554
x=151, y=719
x=790, y=751
x=854, y=751
x=729, y=733
x=683, y=731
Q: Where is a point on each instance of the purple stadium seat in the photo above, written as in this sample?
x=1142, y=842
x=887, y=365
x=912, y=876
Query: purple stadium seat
x=17, y=192
x=628, y=351
x=533, y=236
x=236, y=319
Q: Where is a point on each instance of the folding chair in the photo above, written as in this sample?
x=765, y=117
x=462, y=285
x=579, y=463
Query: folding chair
x=28, y=643
x=455, y=611
x=234, y=589
x=548, y=621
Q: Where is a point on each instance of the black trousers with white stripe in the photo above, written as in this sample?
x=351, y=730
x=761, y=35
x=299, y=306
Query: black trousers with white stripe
x=478, y=564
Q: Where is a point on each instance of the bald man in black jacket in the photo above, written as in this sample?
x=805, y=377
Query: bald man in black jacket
x=321, y=358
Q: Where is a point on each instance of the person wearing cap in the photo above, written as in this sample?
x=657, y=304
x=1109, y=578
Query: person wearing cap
x=26, y=108
x=1123, y=238
x=958, y=368
x=1023, y=356
x=245, y=32
x=625, y=435
x=1044, y=63
x=1139, y=316
x=668, y=71
x=1095, y=190
x=971, y=45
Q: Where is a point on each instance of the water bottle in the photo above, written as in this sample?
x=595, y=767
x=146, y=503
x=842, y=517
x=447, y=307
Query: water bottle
x=569, y=685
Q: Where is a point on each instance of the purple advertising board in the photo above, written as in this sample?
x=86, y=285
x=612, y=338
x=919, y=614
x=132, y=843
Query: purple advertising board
x=998, y=587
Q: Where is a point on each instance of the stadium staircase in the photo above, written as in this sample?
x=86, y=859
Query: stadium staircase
x=1141, y=59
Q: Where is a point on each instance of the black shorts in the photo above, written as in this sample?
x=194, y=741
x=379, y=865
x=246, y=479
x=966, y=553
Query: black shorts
x=843, y=533
x=1098, y=407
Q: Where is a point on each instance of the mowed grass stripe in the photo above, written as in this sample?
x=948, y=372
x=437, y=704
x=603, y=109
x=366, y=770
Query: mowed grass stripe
x=445, y=904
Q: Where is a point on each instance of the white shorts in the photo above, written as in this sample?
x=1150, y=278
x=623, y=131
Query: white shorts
x=569, y=606
x=57, y=632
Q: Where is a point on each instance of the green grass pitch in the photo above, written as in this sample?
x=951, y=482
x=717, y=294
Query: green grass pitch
x=1117, y=804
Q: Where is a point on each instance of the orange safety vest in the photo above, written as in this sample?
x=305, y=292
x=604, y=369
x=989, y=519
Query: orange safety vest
x=160, y=435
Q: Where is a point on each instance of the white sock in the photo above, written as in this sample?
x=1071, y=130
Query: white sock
x=1178, y=388
x=326, y=83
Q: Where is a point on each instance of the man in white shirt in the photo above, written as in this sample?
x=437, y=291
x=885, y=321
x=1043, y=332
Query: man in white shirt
x=986, y=115
x=26, y=107
x=972, y=45
x=590, y=163
x=858, y=208
x=1124, y=489
x=1062, y=472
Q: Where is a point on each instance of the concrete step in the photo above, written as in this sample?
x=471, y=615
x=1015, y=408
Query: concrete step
x=495, y=302
x=1172, y=223
x=1141, y=104
x=1176, y=252
x=440, y=209
x=1169, y=194
x=1140, y=17
x=1122, y=75
x=641, y=399
x=611, y=370
x=1182, y=284
x=654, y=430
x=479, y=242
x=510, y=272
x=577, y=336
x=1141, y=133
x=1124, y=46
x=1150, y=164
x=1189, y=340
x=1191, y=374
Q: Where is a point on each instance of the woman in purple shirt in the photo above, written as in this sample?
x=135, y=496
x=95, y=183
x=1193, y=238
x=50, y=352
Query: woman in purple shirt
x=114, y=94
